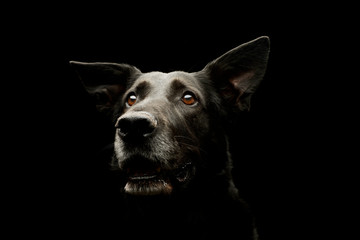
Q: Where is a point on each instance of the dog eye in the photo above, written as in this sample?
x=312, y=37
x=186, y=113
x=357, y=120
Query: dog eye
x=131, y=99
x=189, y=98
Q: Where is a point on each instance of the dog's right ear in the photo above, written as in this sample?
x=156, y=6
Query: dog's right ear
x=238, y=72
x=105, y=81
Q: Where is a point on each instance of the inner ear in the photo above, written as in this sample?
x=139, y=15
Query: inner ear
x=243, y=88
x=242, y=82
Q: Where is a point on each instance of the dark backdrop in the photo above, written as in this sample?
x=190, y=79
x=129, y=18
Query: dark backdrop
x=277, y=166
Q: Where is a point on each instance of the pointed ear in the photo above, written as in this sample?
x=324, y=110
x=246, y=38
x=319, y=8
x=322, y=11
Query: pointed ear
x=104, y=81
x=238, y=72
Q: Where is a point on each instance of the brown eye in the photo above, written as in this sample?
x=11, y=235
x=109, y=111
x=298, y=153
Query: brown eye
x=131, y=99
x=189, y=98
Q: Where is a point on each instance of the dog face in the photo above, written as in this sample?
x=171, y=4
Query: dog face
x=157, y=142
x=169, y=126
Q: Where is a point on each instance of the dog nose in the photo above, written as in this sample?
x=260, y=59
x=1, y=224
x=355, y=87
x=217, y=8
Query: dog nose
x=136, y=125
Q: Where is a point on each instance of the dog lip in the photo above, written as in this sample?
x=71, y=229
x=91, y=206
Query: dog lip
x=181, y=173
x=143, y=177
x=153, y=180
x=143, y=173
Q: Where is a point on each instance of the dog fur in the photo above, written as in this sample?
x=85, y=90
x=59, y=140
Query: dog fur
x=171, y=147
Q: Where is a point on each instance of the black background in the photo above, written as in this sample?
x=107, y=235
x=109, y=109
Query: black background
x=283, y=173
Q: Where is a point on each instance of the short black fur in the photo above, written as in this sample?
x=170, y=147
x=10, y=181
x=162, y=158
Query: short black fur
x=171, y=147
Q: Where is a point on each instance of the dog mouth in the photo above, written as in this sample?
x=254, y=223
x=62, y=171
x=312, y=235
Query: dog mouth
x=144, y=177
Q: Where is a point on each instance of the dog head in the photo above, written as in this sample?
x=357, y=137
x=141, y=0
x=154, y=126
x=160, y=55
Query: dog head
x=169, y=126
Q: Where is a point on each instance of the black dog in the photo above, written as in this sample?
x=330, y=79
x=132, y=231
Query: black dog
x=171, y=146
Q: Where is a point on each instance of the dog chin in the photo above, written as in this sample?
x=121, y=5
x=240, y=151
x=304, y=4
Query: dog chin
x=148, y=187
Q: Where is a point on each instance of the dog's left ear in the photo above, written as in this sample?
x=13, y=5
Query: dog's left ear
x=238, y=72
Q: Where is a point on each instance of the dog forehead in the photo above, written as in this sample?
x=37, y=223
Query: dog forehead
x=166, y=79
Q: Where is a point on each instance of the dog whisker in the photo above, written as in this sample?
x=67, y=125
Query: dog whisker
x=177, y=137
x=189, y=143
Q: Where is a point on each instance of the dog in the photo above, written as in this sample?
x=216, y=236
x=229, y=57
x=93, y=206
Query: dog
x=171, y=145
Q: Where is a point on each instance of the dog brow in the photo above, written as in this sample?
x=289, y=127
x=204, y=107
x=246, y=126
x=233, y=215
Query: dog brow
x=177, y=85
x=143, y=88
